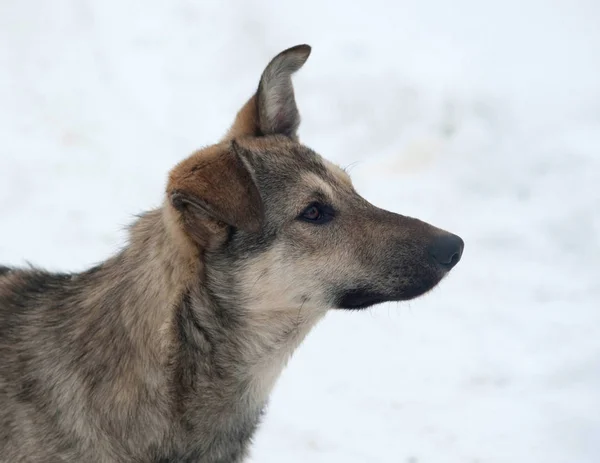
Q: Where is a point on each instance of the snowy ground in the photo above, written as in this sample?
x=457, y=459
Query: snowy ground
x=480, y=117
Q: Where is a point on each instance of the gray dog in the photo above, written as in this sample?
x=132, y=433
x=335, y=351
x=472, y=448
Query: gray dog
x=168, y=351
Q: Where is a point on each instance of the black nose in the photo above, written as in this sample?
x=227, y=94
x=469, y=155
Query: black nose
x=447, y=250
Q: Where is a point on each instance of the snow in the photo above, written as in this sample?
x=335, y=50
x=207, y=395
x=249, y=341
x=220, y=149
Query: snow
x=480, y=117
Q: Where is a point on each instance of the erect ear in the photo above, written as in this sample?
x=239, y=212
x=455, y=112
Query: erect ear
x=273, y=110
x=215, y=185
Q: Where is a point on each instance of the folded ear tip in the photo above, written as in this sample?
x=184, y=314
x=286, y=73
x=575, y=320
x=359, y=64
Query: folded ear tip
x=298, y=53
x=303, y=51
x=176, y=199
x=304, y=48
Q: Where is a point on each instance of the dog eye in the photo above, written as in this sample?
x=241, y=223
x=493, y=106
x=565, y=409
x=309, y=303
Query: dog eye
x=317, y=213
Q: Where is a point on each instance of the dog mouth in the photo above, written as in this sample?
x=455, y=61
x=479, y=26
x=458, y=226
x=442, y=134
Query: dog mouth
x=356, y=299
x=361, y=298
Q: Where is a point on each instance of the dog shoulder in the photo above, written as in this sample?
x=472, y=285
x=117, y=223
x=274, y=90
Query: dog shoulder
x=22, y=289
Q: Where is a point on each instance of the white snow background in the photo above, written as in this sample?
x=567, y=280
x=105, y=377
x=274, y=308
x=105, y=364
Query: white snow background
x=480, y=117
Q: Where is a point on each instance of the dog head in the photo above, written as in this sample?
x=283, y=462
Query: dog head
x=281, y=228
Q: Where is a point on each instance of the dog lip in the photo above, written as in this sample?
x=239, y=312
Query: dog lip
x=361, y=299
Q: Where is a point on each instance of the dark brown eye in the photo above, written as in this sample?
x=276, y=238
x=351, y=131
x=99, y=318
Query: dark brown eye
x=317, y=213
x=312, y=213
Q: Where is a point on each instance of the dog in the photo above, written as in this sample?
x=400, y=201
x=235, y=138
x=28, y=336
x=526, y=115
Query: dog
x=168, y=351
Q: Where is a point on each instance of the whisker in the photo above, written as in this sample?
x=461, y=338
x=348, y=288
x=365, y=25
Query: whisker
x=350, y=166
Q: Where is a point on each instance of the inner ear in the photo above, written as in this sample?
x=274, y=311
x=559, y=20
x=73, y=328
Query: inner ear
x=277, y=110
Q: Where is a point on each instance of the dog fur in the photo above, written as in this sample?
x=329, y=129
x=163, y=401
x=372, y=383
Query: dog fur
x=168, y=351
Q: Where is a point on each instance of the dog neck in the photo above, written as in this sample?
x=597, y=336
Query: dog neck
x=156, y=269
x=242, y=349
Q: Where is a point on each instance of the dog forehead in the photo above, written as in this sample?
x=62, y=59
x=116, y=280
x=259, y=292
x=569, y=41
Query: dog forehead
x=281, y=164
x=281, y=157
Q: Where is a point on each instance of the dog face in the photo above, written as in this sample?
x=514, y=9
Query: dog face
x=283, y=229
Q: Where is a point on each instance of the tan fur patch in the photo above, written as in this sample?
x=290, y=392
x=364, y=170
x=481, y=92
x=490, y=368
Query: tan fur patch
x=313, y=182
x=279, y=316
x=338, y=173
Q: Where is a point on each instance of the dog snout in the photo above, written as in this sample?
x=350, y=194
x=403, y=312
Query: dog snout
x=447, y=250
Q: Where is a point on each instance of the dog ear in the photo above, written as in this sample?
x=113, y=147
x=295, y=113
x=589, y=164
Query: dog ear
x=216, y=186
x=273, y=110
